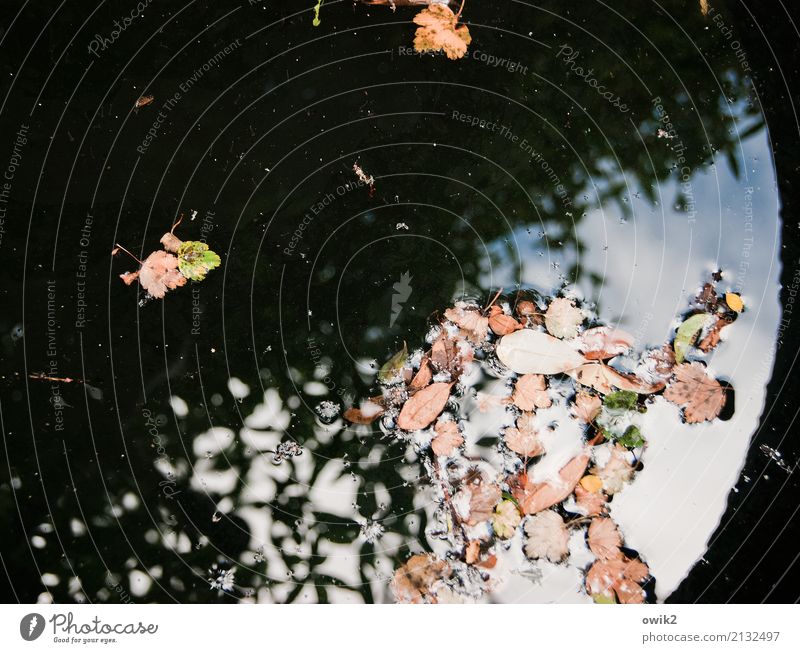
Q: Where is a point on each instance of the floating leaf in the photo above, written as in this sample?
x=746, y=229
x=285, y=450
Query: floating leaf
x=366, y=414
x=524, y=438
x=617, y=576
x=701, y=396
x=423, y=376
x=546, y=536
x=632, y=438
x=616, y=472
x=534, y=352
x=447, y=438
x=438, y=30
x=530, y=391
x=418, y=580
x=535, y=497
x=195, y=260
x=687, y=334
x=481, y=499
x=621, y=400
x=503, y=324
x=506, y=519
x=586, y=407
x=474, y=325
x=563, y=318
x=603, y=342
x=424, y=407
x=393, y=368
x=605, y=378
x=734, y=302
x=590, y=503
x=591, y=483
x=604, y=539
x=158, y=274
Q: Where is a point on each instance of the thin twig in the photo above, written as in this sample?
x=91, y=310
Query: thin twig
x=460, y=9
x=129, y=254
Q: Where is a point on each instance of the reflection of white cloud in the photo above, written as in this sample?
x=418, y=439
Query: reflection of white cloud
x=270, y=414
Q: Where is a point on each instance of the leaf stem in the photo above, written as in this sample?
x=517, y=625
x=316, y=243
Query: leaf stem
x=128, y=253
x=460, y=9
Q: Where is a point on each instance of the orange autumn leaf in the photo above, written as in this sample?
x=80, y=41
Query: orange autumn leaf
x=472, y=552
x=605, y=539
x=447, y=438
x=423, y=376
x=417, y=580
x=530, y=392
x=438, y=30
x=474, y=326
x=159, y=273
x=586, y=407
x=590, y=503
x=367, y=414
x=604, y=342
x=620, y=576
x=524, y=438
x=535, y=497
x=503, y=324
x=424, y=407
x=604, y=379
x=701, y=396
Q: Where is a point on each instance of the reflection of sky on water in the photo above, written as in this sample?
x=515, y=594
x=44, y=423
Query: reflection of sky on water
x=650, y=264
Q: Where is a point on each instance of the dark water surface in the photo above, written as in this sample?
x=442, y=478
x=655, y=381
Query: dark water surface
x=150, y=476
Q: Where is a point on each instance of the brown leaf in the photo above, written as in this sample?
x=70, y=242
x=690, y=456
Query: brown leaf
x=158, y=274
x=367, y=414
x=423, y=376
x=472, y=552
x=591, y=503
x=530, y=392
x=701, y=396
x=503, y=324
x=616, y=472
x=524, y=438
x=447, y=438
x=604, y=342
x=714, y=333
x=483, y=498
x=661, y=362
x=605, y=539
x=415, y=581
x=534, y=497
x=586, y=407
x=171, y=242
x=563, y=318
x=473, y=325
x=604, y=379
x=619, y=576
x=447, y=356
x=438, y=31
x=424, y=407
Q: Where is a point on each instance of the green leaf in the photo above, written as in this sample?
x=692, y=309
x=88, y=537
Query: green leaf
x=687, y=335
x=603, y=599
x=195, y=260
x=621, y=400
x=394, y=366
x=632, y=438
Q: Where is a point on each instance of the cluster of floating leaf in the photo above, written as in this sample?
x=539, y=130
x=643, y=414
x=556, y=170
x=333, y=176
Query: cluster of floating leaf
x=538, y=344
x=164, y=270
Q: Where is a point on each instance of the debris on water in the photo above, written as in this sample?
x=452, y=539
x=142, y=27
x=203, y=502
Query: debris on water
x=371, y=531
x=221, y=579
x=328, y=411
x=287, y=449
x=776, y=457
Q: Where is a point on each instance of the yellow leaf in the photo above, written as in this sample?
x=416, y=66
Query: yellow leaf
x=734, y=302
x=591, y=483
